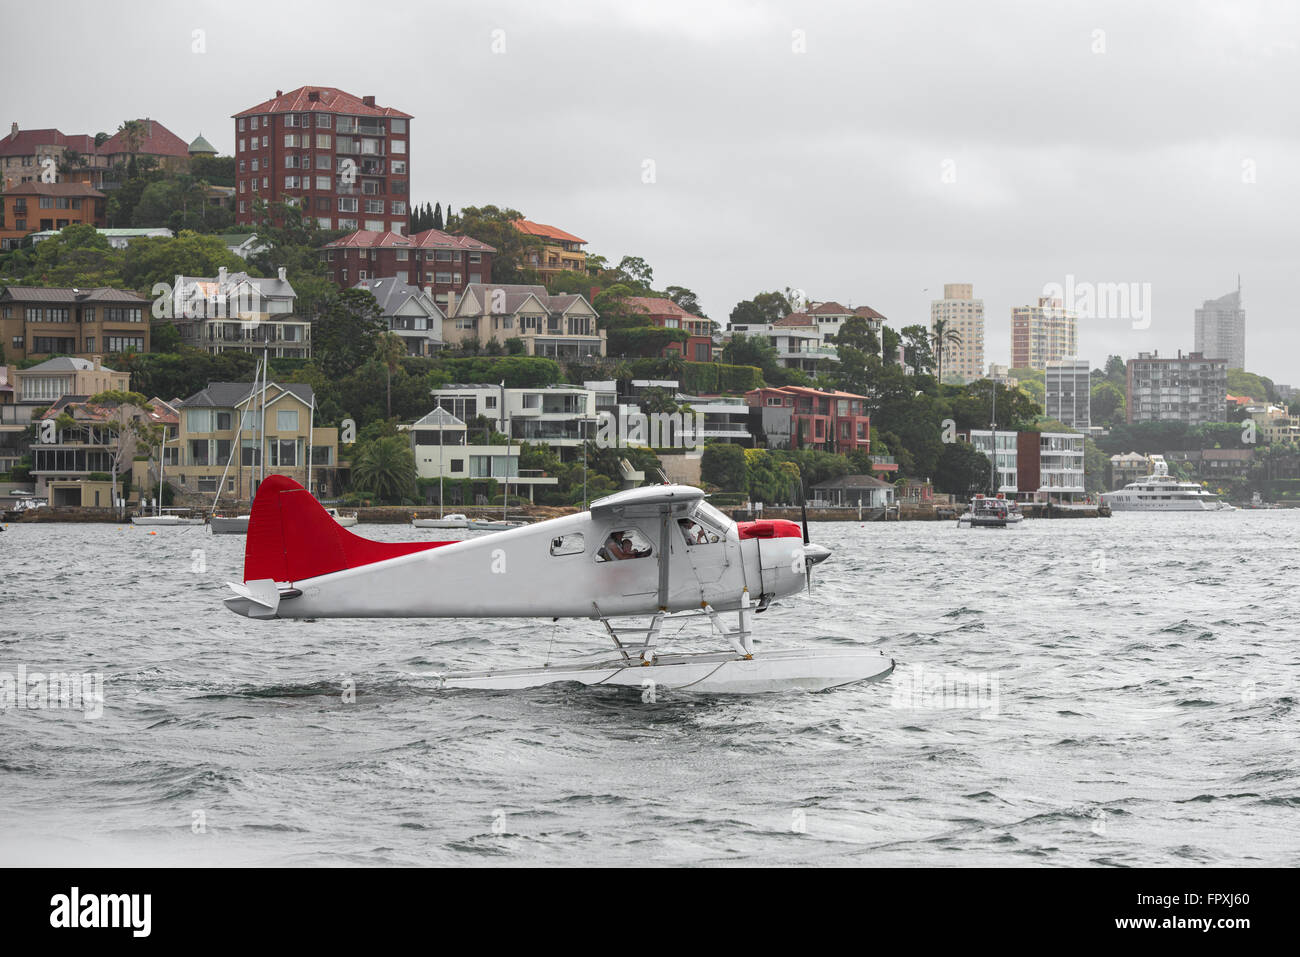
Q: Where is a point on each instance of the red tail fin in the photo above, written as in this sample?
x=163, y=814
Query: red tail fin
x=292, y=538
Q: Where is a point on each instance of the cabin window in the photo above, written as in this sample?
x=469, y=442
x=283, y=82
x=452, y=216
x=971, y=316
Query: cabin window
x=571, y=544
x=697, y=534
x=624, y=544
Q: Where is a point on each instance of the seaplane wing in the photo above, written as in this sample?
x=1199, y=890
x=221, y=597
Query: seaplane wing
x=651, y=551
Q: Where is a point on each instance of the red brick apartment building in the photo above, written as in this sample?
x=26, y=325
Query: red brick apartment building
x=435, y=261
x=823, y=419
x=343, y=159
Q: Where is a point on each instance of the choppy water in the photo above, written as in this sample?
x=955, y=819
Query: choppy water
x=1145, y=667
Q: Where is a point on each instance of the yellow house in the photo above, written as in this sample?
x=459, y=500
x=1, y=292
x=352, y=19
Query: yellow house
x=560, y=251
x=222, y=442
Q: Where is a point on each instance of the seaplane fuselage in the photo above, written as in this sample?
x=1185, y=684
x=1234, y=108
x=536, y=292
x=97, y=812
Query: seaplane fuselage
x=648, y=550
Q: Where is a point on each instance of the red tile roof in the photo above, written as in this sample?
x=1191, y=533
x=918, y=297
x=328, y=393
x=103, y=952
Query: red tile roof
x=429, y=239
x=54, y=189
x=545, y=232
x=829, y=309
x=331, y=100
x=866, y=312
x=796, y=319
x=24, y=142
x=156, y=141
x=659, y=307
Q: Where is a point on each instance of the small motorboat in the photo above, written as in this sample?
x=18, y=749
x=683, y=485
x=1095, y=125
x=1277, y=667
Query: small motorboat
x=984, y=512
x=347, y=521
x=454, y=520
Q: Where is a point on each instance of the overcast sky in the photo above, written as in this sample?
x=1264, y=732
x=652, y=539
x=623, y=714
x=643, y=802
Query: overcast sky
x=862, y=152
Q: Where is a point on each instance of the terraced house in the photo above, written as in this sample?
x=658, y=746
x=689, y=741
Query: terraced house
x=37, y=321
x=560, y=327
x=229, y=414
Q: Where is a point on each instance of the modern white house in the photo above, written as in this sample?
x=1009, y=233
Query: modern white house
x=441, y=444
x=560, y=416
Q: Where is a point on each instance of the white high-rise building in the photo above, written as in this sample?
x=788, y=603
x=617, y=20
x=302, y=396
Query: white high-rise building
x=1068, y=387
x=1221, y=329
x=961, y=312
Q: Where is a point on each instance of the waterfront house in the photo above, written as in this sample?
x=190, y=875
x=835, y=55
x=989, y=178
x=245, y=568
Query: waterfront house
x=853, y=491
x=225, y=414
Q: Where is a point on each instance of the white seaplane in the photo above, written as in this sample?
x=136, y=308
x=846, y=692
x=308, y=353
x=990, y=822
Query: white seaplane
x=657, y=551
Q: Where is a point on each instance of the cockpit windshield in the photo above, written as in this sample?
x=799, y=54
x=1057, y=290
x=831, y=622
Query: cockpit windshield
x=708, y=515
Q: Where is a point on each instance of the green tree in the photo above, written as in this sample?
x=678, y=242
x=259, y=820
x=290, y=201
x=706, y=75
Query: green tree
x=78, y=256
x=962, y=470
x=390, y=348
x=1108, y=405
x=917, y=351
x=686, y=299
x=635, y=272
x=496, y=227
x=159, y=260
x=725, y=466
x=386, y=467
x=766, y=307
x=347, y=330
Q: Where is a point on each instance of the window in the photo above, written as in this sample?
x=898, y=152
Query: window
x=397, y=126
x=47, y=202
x=399, y=208
x=243, y=144
x=291, y=139
x=402, y=255
x=284, y=453
x=252, y=123
x=399, y=146
x=476, y=257
x=375, y=225
x=571, y=544
x=375, y=206
x=347, y=204
x=324, y=222
x=323, y=161
x=399, y=167
x=266, y=141
x=241, y=127
x=324, y=121
x=291, y=182
x=624, y=544
x=442, y=277
x=120, y=314
x=286, y=420
x=324, y=141
x=291, y=120
x=256, y=167
x=324, y=182
x=443, y=255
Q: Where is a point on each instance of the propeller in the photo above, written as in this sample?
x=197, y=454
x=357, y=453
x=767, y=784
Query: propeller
x=812, y=554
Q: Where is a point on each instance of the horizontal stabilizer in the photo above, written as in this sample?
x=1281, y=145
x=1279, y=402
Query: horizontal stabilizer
x=256, y=599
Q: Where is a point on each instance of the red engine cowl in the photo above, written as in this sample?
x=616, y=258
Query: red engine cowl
x=769, y=528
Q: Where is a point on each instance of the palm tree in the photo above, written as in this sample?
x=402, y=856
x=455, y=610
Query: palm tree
x=132, y=136
x=386, y=467
x=941, y=338
x=390, y=348
x=673, y=364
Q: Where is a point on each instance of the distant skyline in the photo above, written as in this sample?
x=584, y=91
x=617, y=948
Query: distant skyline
x=863, y=155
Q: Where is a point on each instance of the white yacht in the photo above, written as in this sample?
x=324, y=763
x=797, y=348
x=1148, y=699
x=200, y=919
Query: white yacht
x=1161, y=492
